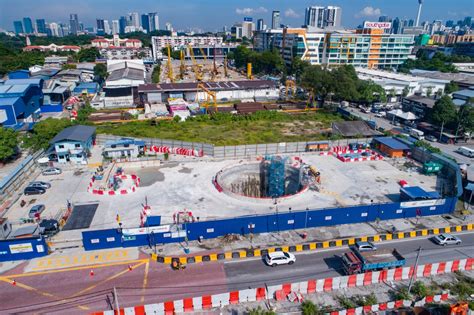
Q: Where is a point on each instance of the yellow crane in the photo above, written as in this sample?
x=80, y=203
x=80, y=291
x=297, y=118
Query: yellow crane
x=290, y=85
x=211, y=97
x=182, y=66
x=170, y=66
x=197, y=71
x=225, y=67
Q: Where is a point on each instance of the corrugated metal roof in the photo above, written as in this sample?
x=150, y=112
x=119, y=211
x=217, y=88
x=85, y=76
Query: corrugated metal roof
x=75, y=133
x=392, y=143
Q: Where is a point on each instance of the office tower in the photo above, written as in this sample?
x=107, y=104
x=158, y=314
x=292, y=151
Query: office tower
x=135, y=19
x=449, y=23
x=41, y=26
x=122, y=24
x=411, y=23
x=100, y=27
x=420, y=4
x=81, y=27
x=248, y=27
x=28, y=25
x=107, y=29
x=260, y=25
x=168, y=27
x=385, y=18
x=18, y=27
x=54, y=27
x=396, y=26
x=467, y=21
x=314, y=16
x=115, y=27
x=275, y=20
x=333, y=16
x=154, y=21
x=146, y=22
x=74, y=24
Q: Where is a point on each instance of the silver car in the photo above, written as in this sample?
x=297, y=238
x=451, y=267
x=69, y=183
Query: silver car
x=36, y=209
x=52, y=171
x=40, y=184
x=365, y=246
x=446, y=239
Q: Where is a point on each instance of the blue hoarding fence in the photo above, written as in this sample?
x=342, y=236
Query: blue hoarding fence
x=23, y=248
x=271, y=222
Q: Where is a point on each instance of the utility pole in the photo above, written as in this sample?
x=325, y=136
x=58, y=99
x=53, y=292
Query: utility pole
x=441, y=133
x=413, y=276
x=116, y=301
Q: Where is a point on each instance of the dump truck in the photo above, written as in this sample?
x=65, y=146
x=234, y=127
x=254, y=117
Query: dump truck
x=356, y=261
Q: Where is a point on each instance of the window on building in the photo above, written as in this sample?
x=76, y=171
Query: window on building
x=77, y=145
x=61, y=146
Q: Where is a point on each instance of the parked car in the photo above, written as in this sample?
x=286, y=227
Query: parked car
x=280, y=258
x=36, y=209
x=431, y=138
x=446, y=239
x=40, y=184
x=49, y=227
x=365, y=246
x=34, y=191
x=381, y=114
x=52, y=171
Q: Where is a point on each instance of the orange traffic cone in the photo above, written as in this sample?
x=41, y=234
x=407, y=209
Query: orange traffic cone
x=92, y=273
x=13, y=282
x=130, y=268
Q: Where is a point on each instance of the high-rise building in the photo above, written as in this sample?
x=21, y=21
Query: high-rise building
x=467, y=21
x=420, y=4
x=385, y=18
x=73, y=24
x=41, y=26
x=154, y=21
x=107, y=29
x=333, y=16
x=115, y=27
x=122, y=24
x=275, y=20
x=100, y=27
x=396, y=26
x=168, y=27
x=28, y=25
x=146, y=22
x=135, y=19
x=248, y=26
x=411, y=23
x=449, y=23
x=259, y=24
x=314, y=16
x=18, y=27
x=54, y=27
x=322, y=17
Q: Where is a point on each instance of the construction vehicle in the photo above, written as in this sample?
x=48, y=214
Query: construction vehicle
x=211, y=97
x=170, y=66
x=249, y=71
x=196, y=69
x=290, y=85
x=362, y=261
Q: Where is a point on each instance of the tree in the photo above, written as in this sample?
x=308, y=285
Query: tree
x=370, y=92
x=451, y=87
x=345, y=81
x=405, y=91
x=297, y=68
x=67, y=66
x=100, y=72
x=8, y=143
x=88, y=55
x=309, y=308
x=444, y=111
x=43, y=132
x=465, y=118
x=318, y=80
x=429, y=91
x=155, y=75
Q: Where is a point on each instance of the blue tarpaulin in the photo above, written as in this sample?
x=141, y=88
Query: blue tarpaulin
x=417, y=193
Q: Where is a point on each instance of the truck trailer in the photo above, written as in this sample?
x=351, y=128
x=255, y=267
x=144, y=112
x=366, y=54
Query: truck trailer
x=358, y=262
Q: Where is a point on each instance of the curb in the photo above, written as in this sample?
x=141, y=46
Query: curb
x=207, y=302
x=249, y=252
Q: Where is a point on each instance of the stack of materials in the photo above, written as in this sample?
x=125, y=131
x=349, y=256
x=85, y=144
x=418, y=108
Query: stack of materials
x=175, y=108
x=110, y=116
x=288, y=106
x=272, y=106
x=176, y=101
x=160, y=110
x=248, y=108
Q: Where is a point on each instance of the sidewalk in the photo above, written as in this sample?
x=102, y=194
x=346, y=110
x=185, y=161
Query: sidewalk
x=321, y=234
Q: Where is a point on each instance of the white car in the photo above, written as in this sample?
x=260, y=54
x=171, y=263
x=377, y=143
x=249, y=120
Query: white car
x=365, y=246
x=446, y=239
x=52, y=171
x=280, y=258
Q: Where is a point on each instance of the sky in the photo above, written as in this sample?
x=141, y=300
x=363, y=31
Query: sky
x=212, y=15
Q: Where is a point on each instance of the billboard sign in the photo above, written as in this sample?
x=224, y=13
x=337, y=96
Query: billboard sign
x=146, y=230
x=382, y=25
x=21, y=248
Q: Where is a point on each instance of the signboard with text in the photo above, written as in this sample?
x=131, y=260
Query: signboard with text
x=382, y=25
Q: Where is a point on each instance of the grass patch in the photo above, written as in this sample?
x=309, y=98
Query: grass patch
x=227, y=129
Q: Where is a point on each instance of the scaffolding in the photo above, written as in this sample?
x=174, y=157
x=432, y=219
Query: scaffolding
x=275, y=173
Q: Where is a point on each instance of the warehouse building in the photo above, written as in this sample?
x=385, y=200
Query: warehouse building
x=390, y=147
x=121, y=84
x=254, y=90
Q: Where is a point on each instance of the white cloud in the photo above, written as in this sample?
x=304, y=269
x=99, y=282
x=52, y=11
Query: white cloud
x=291, y=13
x=368, y=11
x=250, y=11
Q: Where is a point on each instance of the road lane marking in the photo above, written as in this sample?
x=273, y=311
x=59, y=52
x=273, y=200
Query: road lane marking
x=107, y=279
x=145, y=281
x=36, y=273
x=43, y=293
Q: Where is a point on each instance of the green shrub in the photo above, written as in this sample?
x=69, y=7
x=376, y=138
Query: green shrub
x=309, y=308
x=346, y=302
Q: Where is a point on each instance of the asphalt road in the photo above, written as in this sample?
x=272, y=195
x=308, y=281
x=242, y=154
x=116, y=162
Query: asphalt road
x=61, y=292
x=448, y=149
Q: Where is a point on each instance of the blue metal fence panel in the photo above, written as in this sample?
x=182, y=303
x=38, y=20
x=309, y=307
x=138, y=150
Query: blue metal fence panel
x=25, y=248
x=274, y=222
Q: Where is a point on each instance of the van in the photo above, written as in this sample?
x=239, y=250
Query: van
x=466, y=152
x=417, y=134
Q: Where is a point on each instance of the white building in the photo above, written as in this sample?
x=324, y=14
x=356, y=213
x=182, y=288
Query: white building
x=107, y=29
x=120, y=53
x=135, y=19
x=160, y=42
x=116, y=41
x=321, y=17
x=54, y=27
x=115, y=27
x=124, y=77
x=154, y=21
x=397, y=82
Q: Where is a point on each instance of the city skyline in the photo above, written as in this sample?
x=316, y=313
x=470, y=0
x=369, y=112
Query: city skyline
x=183, y=16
